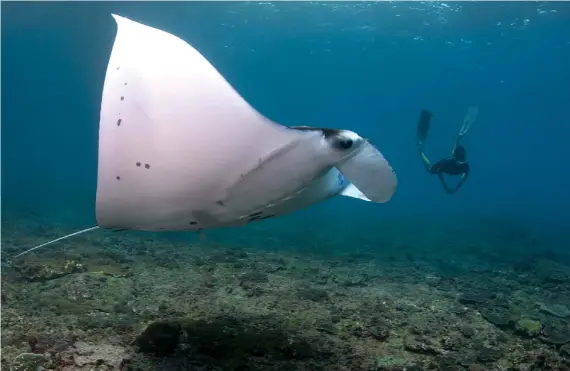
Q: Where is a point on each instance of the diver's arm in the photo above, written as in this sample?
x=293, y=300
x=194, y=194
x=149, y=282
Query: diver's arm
x=462, y=181
x=449, y=190
x=445, y=187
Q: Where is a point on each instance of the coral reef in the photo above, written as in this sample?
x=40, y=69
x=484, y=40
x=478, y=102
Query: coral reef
x=129, y=303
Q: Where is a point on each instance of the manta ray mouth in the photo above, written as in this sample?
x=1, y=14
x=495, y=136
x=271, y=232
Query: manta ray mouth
x=362, y=163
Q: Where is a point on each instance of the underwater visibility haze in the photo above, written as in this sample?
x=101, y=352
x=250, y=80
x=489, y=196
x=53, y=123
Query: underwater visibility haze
x=473, y=94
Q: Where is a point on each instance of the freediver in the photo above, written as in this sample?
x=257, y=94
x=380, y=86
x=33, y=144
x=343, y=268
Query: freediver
x=456, y=164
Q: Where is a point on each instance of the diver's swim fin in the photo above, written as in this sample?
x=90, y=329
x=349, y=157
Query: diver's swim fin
x=468, y=120
x=423, y=126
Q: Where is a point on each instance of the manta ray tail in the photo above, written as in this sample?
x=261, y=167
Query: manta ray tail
x=58, y=239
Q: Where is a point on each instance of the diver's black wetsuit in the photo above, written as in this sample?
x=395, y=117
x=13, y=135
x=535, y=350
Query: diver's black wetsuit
x=450, y=166
x=454, y=165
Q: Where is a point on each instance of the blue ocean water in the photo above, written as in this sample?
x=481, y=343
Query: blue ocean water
x=476, y=280
x=365, y=66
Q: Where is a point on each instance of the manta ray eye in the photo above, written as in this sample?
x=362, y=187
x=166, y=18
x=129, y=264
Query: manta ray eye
x=344, y=143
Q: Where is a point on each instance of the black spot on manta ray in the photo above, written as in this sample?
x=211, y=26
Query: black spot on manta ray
x=138, y=164
x=118, y=68
x=193, y=222
x=122, y=98
x=119, y=122
x=118, y=178
x=147, y=166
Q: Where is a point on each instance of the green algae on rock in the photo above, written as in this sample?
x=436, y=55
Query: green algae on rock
x=528, y=327
x=385, y=363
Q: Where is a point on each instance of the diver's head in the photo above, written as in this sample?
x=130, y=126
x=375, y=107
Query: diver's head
x=460, y=154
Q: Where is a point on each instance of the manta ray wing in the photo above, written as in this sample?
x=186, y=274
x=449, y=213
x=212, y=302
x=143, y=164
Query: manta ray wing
x=174, y=136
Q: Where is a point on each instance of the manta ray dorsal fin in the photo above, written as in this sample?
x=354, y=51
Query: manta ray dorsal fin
x=173, y=136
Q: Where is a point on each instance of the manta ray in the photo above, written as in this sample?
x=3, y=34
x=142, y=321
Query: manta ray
x=180, y=150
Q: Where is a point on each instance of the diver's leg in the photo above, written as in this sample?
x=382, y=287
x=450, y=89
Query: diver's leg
x=468, y=121
x=425, y=160
x=423, y=127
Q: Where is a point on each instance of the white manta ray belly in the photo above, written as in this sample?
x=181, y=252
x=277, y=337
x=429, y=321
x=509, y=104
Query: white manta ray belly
x=322, y=188
x=180, y=149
